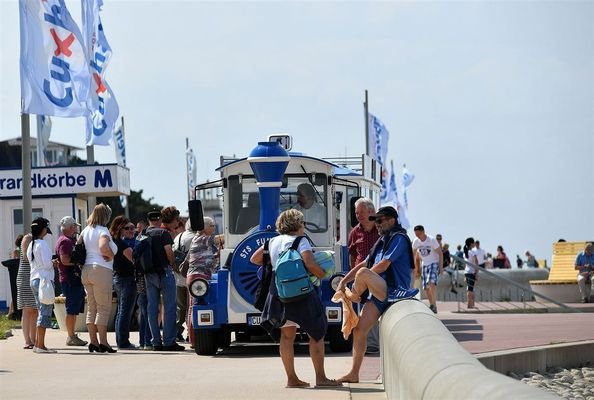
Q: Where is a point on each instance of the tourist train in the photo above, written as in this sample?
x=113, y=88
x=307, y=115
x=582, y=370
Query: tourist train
x=248, y=197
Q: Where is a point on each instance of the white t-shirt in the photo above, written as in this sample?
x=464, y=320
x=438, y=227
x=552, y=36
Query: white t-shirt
x=91, y=237
x=467, y=268
x=280, y=243
x=427, y=249
x=316, y=214
x=481, y=256
x=41, y=264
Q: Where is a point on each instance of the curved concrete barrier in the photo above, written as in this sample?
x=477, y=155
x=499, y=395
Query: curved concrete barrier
x=422, y=360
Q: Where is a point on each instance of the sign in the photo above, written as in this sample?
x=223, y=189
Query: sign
x=105, y=180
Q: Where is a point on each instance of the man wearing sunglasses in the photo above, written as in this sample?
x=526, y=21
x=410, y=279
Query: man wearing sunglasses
x=386, y=273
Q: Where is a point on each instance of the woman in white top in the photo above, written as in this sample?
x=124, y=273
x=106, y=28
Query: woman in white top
x=97, y=275
x=470, y=272
x=40, y=258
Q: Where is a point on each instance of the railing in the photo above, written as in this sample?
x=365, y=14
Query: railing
x=514, y=284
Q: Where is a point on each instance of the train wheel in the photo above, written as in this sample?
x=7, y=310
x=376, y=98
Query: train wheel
x=205, y=341
x=336, y=340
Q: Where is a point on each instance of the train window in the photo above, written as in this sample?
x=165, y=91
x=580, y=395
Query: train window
x=244, y=204
x=308, y=196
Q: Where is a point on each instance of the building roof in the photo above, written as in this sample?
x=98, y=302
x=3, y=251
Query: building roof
x=17, y=142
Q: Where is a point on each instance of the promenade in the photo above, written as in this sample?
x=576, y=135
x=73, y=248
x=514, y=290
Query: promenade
x=248, y=371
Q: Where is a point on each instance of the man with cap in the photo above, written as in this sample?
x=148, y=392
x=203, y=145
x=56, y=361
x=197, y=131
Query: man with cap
x=161, y=283
x=70, y=278
x=387, y=277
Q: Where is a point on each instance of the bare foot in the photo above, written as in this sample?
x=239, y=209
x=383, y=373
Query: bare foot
x=352, y=295
x=349, y=378
x=328, y=383
x=297, y=384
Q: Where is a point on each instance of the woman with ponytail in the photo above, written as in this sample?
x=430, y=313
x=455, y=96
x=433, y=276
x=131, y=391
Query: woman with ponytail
x=40, y=258
x=470, y=272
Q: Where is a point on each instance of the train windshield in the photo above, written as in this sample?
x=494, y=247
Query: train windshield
x=305, y=193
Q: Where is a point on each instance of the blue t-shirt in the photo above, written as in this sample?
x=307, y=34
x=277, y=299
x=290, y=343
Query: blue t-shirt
x=398, y=274
x=582, y=260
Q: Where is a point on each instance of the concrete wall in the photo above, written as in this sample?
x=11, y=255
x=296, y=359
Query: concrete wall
x=422, y=360
x=489, y=288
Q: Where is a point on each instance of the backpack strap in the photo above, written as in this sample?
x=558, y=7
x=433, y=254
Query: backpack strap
x=266, y=254
x=296, y=242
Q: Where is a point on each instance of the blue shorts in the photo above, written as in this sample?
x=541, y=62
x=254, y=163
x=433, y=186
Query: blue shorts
x=75, y=298
x=44, y=318
x=382, y=306
x=429, y=274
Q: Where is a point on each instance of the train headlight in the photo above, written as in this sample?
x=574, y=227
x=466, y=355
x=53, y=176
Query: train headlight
x=198, y=288
x=335, y=280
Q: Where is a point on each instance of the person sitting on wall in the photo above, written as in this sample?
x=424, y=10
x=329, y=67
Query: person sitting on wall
x=584, y=263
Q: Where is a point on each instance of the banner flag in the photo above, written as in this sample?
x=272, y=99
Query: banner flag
x=407, y=179
x=54, y=68
x=389, y=193
x=378, y=140
x=191, y=170
x=120, y=146
x=384, y=191
x=103, y=105
x=44, y=130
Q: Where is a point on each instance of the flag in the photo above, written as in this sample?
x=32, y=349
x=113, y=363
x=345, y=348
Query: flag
x=44, y=129
x=407, y=179
x=389, y=193
x=120, y=146
x=103, y=105
x=54, y=69
x=378, y=139
x=407, y=176
x=384, y=192
x=191, y=171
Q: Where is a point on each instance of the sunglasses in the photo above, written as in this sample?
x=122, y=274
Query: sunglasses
x=129, y=228
x=379, y=220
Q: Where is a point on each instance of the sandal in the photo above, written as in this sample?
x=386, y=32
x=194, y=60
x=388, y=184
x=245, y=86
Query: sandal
x=28, y=346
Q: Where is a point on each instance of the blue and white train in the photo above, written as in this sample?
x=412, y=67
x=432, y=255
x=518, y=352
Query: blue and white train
x=251, y=193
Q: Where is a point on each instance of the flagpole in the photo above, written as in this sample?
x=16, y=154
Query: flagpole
x=91, y=200
x=26, y=166
x=188, y=172
x=366, y=108
x=127, y=208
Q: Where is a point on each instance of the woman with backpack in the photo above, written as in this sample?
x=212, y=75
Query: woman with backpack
x=306, y=313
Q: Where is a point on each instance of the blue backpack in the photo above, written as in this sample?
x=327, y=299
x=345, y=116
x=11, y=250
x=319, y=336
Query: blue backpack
x=291, y=278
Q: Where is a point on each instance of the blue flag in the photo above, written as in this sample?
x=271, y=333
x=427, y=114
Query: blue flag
x=378, y=140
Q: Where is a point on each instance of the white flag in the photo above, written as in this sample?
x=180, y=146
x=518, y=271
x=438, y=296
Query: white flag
x=120, y=146
x=378, y=140
x=44, y=129
x=104, y=107
x=191, y=171
x=407, y=176
x=55, y=76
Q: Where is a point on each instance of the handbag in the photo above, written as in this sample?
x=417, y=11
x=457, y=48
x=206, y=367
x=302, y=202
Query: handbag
x=79, y=254
x=47, y=295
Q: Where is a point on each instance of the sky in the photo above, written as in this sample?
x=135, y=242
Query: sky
x=489, y=104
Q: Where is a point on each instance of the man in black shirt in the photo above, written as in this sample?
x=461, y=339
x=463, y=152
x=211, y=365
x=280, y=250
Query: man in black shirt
x=161, y=283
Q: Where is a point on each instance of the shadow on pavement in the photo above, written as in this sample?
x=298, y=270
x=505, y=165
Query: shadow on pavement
x=460, y=329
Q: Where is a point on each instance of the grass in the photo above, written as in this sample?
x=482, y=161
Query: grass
x=6, y=325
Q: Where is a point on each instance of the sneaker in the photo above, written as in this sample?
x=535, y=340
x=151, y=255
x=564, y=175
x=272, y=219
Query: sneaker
x=43, y=351
x=128, y=347
x=75, y=341
x=158, y=347
x=179, y=338
x=372, y=350
x=148, y=348
x=174, y=347
x=402, y=294
x=433, y=308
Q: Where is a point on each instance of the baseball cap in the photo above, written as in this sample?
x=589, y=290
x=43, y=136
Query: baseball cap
x=68, y=221
x=40, y=223
x=387, y=211
x=154, y=215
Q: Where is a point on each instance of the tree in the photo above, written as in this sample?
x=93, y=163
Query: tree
x=137, y=206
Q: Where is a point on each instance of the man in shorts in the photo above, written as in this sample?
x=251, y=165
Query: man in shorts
x=69, y=274
x=386, y=273
x=428, y=255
